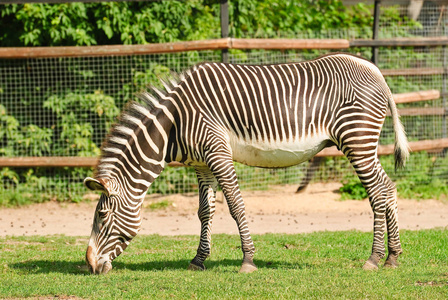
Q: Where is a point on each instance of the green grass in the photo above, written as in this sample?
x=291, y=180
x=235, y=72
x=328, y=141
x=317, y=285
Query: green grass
x=160, y=205
x=317, y=265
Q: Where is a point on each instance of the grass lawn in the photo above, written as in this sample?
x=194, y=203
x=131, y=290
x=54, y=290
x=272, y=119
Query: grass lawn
x=317, y=265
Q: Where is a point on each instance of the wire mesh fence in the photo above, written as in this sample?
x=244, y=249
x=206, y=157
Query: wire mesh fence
x=64, y=107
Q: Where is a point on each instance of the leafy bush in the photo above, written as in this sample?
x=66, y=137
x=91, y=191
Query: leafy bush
x=425, y=183
x=109, y=23
x=270, y=18
x=75, y=114
x=166, y=21
x=352, y=189
x=16, y=140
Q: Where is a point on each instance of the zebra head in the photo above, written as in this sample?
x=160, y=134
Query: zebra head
x=114, y=226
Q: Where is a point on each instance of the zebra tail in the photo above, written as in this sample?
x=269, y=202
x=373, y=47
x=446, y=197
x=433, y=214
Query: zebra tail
x=401, y=151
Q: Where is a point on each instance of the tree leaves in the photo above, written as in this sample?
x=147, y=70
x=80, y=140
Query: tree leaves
x=104, y=23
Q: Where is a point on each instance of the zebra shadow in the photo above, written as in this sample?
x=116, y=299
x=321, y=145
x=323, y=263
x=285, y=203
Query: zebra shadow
x=80, y=267
x=223, y=264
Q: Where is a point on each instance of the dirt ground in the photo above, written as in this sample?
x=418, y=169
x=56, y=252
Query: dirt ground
x=278, y=210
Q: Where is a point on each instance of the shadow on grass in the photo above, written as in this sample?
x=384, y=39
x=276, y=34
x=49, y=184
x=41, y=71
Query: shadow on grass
x=209, y=265
x=50, y=266
x=80, y=268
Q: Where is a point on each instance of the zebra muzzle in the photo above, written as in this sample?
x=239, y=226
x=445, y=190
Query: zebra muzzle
x=91, y=259
x=105, y=267
x=95, y=266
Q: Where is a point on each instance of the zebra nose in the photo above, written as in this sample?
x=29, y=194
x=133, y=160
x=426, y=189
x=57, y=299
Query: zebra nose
x=91, y=260
x=106, y=267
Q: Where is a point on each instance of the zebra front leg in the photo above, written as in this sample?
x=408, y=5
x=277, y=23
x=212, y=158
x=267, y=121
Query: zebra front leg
x=223, y=169
x=207, y=189
x=238, y=212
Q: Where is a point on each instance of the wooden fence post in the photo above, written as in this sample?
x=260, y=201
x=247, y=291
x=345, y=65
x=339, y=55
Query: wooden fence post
x=224, y=12
x=444, y=87
x=376, y=26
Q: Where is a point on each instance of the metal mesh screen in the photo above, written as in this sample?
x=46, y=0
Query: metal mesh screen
x=64, y=107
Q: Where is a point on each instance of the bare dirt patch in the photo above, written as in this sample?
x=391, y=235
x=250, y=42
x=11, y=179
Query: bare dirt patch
x=278, y=210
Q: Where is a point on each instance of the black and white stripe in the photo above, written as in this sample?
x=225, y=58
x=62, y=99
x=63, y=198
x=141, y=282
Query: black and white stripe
x=266, y=116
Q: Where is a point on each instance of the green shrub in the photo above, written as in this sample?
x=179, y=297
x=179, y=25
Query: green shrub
x=352, y=189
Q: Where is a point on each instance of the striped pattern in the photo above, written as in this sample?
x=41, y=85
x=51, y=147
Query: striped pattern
x=266, y=116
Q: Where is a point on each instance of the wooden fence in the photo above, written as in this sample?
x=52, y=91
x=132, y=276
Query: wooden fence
x=216, y=44
x=244, y=44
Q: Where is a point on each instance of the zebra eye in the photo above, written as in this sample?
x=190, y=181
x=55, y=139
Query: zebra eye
x=121, y=239
x=102, y=213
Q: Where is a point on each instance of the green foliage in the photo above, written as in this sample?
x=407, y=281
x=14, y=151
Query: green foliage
x=160, y=205
x=174, y=180
x=141, y=79
x=299, y=266
x=428, y=182
x=75, y=114
x=9, y=128
x=45, y=24
x=72, y=131
x=36, y=140
x=107, y=23
x=16, y=140
x=168, y=21
x=352, y=189
x=415, y=188
x=261, y=179
x=270, y=18
x=391, y=17
x=28, y=186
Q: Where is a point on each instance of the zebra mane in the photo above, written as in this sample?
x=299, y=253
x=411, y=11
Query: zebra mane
x=120, y=133
x=152, y=94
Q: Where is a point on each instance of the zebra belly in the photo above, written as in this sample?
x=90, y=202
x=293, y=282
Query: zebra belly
x=276, y=154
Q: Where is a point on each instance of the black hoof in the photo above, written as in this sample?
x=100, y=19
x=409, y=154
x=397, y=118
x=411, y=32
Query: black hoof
x=194, y=266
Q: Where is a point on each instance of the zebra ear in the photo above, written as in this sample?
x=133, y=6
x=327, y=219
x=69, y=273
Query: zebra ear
x=98, y=185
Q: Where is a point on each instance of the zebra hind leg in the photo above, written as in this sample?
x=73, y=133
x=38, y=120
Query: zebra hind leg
x=207, y=189
x=315, y=162
x=393, y=236
x=382, y=199
x=388, y=212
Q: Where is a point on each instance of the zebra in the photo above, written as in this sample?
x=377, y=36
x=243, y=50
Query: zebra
x=270, y=116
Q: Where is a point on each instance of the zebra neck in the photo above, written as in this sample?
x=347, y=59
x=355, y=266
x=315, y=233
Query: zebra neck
x=134, y=152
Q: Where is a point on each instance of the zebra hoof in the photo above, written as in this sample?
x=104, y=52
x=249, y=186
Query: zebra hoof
x=370, y=266
x=372, y=262
x=391, y=262
x=193, y=267
x=247, y=268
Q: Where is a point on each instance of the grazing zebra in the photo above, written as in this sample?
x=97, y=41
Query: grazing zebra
x=266, y=116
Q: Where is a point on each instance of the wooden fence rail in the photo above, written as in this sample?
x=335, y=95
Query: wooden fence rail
x=88, y=162
x=55, y=162
x=214, y=44
x=416, y=96
x=426, y=145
